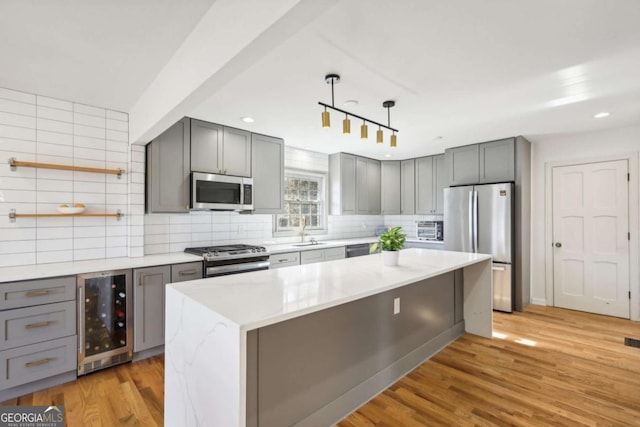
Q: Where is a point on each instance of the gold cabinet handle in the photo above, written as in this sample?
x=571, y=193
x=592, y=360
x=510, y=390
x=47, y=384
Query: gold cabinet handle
x=187, y=272
x=37, y=325
x=38, y=362
x=37, y=293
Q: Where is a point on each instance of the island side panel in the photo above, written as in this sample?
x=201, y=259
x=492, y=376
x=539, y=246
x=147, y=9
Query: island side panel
x=478, y=299
x=203, y=366
x=308, y=363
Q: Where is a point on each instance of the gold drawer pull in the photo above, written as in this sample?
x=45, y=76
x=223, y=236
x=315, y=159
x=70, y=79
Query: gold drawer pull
x=37, y=325
x=187, y=272
x=37, y=363
x=38, y=293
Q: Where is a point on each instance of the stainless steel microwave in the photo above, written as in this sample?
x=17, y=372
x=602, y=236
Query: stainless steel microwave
x=221, y=192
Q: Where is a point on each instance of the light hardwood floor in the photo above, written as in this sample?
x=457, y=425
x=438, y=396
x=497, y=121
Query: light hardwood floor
x=546, y=366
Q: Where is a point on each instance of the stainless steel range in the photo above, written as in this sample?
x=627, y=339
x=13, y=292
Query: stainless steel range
x=232, y=259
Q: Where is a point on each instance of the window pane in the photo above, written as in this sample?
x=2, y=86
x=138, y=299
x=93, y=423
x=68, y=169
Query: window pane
x=304, y=195
x=315, y=221
x=294, y=221
x=304, y=185
x=293, y=194
x=283, y=221
x=294, y=208
x=313, y=195
x=305, y=209
x=313, y=185
x=293, y=183
x=314, y=209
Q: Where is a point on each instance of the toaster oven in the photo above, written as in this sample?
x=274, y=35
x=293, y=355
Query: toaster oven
x=429, y=230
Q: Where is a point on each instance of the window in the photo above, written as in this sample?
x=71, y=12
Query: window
x=304, y=197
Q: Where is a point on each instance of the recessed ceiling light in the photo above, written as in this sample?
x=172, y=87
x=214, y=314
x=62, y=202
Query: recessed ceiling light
x=247, y=119
x=350, y=103
x=602, y=114
x=387, y=155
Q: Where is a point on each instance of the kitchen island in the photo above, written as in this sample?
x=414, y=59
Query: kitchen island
x=309, y=344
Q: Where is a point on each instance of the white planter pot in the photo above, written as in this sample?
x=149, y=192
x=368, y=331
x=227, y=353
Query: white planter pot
x=390, y=258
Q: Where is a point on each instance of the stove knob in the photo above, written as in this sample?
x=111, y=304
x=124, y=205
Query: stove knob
x=264, y=249
x=253, y=251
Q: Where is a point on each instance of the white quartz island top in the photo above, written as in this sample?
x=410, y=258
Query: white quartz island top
x=261, y=298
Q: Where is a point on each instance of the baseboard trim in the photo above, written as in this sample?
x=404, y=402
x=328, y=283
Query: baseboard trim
x=145, y=354
x=370, y=388
x=539, y=301
x=21, y=390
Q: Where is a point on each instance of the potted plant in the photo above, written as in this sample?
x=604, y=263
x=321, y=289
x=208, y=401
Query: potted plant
x=390, y=242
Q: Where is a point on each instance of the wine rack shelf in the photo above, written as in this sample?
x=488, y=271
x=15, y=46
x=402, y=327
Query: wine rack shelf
x=14, y=163
x=13, y=215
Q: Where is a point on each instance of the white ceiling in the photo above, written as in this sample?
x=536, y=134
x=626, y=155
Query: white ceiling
x=465, y=70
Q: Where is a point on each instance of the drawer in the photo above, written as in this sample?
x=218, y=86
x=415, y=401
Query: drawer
x=284, y=260
x=334, y=253
x=308, y=257
x=31, y=325
x=187, y=271
x=36, y=292
x=34, y=362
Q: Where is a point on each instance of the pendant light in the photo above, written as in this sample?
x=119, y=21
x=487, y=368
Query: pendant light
x=346, y=125
x=326, y=121
x=364, y=131
x=394, y=139
x=379, y=136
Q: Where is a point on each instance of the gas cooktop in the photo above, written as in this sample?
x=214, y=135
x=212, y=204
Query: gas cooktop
x=227, y=251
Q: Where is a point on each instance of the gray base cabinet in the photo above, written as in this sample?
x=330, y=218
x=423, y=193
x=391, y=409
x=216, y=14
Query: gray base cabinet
x=148, y=299
x=321, y=255
x=390, y=187
x=267, y=165
x=284, y=260
x=167, y=181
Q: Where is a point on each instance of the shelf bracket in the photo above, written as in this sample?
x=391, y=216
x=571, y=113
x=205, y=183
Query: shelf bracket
x=12, y=163
x=119, y=214
x=12, y=215
x=120, y=172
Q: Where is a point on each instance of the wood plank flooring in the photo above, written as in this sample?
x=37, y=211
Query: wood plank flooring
x=546, y=366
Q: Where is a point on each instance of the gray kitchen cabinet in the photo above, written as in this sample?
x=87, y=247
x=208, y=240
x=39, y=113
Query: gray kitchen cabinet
x=407, y=187
x=267, y=170
x=424, y=245
x=342, y=184
x=148, y=298
x=497, y=161
x=431, y=179
x=186, y=271
x=362, y=186
x=463, y=164
x=373, y=186
x=390, y=187
x=321, y=255
x=331, y=254
x=28, y=293
x=284, y=260
x=168, y=168
x=219, y=149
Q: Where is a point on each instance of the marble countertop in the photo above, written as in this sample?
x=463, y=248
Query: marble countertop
x=261, y=298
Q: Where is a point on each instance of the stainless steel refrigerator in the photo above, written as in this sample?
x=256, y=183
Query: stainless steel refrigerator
x=480, y=218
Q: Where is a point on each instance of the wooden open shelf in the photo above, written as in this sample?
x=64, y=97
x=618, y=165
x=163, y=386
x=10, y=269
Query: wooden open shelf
x=15, y=163
x=13, y=215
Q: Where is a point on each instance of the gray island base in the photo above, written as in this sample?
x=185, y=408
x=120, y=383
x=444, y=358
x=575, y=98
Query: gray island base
x=307, y=345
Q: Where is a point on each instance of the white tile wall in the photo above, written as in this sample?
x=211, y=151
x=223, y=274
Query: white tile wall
x=38, y=128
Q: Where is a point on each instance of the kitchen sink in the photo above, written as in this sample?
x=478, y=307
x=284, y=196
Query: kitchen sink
x=309, y=244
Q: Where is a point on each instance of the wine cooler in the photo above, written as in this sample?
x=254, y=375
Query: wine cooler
x=105, y=320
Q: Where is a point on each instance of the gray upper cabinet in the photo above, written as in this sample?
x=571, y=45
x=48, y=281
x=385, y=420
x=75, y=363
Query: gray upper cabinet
x=390, y=187
x=407, y=187
x=168, y=158
x=148, y=298
x=220, y=149
x=497, y=161
x=342, y=184
x=424, y=186
x=431, y=180
x=206, y=147
x=373, y=184
x=463, y=164
x=362, y=186
x=268, y=174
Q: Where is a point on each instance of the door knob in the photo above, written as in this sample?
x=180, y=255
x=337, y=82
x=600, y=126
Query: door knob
x=558, y=245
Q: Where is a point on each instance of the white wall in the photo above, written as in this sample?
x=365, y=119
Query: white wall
x=41, y=129
x=562, y=148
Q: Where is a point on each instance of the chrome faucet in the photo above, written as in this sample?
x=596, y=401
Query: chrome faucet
x=303, y=224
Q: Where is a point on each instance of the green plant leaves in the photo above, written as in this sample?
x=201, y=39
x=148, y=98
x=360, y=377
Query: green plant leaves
x=392, y=240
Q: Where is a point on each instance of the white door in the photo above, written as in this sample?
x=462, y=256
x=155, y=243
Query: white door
x=590, y=238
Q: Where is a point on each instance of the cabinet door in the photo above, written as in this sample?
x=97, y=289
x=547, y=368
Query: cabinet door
x=373, y=186
x=424, y=185
x=348, y=183
x=390, y=187
x=407, y=187
x=463, y=165
x=206, y=147
x=309, y=257
x=168, y=168
x=334, y=253
x=148, y=298
x=186, y=271
x=236, y=152
x=440, y=182
x=284, y=260
x=362, y=188
x=267, y=166
x=497, y=161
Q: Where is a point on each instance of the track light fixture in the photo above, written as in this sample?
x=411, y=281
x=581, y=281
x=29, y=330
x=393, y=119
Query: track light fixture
x=333, y=79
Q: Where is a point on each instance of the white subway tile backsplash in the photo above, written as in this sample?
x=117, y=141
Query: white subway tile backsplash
x=83, y=254
x=89, y=154
x=17, y=247
x=17, y=196
x=44, y=148
x=117, y=188
x=113, y=230
x=116, y=199
x=54, y=222
x=44, y=233
x=54, y=245
x=156, y=249
x=17, y=146
x=91, y=199
x=54, y=137
x=16, y=107
x=137, y=156
x=117, y=115
x=116, y=135
x=117, y=252
x=52, y=174
x=83, y=232
x=118, y=125
x=53, y=185
x=11, y=260
x=55, y=103
x=122, y=147
x=89, y=142
x=91, y=131
x=15, y=95
x=54, y=197
x=87, y=120
x=119, y=157
x=15, y=132
x=19, y=120
x=87, y=109
x=156, y=239
x=17, y=183
x=89, y=243
x=55, y=114
x=88, y=187
x=54, y=256
x=54, y=126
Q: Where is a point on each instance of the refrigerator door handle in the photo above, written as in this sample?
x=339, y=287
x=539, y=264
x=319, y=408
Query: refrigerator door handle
x=471, y=221
x=475, y=221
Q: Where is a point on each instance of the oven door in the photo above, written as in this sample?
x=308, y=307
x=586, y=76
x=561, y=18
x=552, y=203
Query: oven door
x=236, y=266
x=210, y=191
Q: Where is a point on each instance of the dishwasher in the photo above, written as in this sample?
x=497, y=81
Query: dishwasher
x=358, y=250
